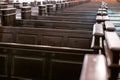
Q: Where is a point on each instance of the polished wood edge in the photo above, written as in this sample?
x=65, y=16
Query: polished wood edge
x=92, y=66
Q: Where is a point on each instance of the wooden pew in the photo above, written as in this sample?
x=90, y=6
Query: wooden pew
x=106, y=18
x=91, y=69
x=109, y=26
x=113, y=67
x=16, y=5
x=102, y=18
x=84, y=7
x=77, y=11
x=8, y=16
x=75, y=14
x=39, y=62
x=102, y=9
x=112, y=50
x=55, y=24
x=66, y=18
x=101, y=13
x=3, y=5
x=42, y=36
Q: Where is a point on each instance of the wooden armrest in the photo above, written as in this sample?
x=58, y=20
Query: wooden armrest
x=96, y=43
x=109, y=26
x=98, y=29
x=92, y=66
x=113, y=40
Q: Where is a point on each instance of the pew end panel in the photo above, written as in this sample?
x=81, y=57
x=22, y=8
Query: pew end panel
x=91, y=68
x=113, y=68
x=113, y=42
x=97, y=39
x=109, y=26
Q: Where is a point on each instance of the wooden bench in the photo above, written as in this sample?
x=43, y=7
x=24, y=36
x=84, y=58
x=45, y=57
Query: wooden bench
x=102, y=9
x=92, y=66
x=76, y=11
x=74, y=14
x=39, y=62
x=109, y=26
x=102, y=18
x=8, y=16
x=97, y=37
x=113, y=67
x=112, y=53
x=101, y=13
x=3, y=5
x=99, y=18
x=106, y=18
x=66, y=18
x=55, y=24
x=42, y=36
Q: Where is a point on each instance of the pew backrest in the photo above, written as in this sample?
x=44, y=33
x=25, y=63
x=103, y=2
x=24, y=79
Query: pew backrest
x=52, y=37
x=56, y=24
